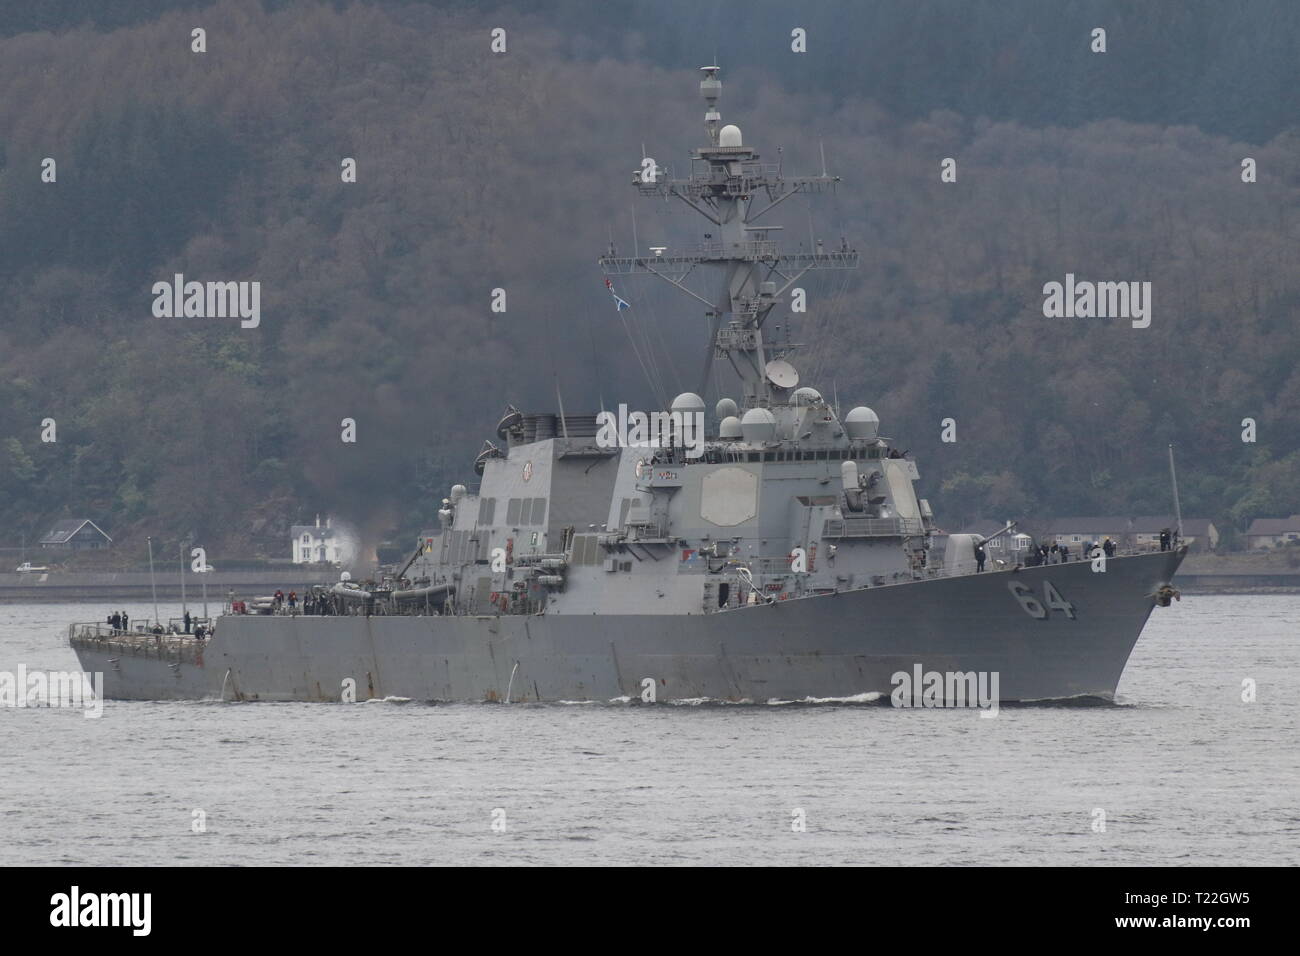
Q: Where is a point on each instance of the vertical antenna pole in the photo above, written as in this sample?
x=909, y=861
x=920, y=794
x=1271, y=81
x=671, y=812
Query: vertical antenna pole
x=564, y=424
x=152, y=586
x=183, y=607
x=1173, y=476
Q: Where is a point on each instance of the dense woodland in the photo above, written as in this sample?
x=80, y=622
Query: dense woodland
x=478, y=171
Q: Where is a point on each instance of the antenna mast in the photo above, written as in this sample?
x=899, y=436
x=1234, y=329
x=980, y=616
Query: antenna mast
x=725, y=181
x=1173, y=476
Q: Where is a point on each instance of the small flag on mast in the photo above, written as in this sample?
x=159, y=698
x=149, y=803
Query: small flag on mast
x=619, y=303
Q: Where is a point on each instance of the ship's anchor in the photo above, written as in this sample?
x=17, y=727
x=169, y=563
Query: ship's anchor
x=1167, y=593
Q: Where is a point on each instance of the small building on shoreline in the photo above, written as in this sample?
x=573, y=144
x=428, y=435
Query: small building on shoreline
x=75, y=534
x=315, y=544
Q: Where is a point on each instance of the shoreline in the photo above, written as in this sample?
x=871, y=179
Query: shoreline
x=134, y=586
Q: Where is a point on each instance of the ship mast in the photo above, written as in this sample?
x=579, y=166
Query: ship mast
x=732, y=189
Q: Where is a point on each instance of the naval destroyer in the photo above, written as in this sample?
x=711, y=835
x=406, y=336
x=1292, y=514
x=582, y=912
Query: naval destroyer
x=780, y=555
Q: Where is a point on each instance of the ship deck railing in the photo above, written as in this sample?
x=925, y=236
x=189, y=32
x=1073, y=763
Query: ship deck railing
x=766, y=567
x=872, y=527
x=1018, y=559
x=100, y=630
x=181, y=648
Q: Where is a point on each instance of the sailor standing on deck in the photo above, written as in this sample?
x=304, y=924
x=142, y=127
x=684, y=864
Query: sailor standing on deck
x=979, y=557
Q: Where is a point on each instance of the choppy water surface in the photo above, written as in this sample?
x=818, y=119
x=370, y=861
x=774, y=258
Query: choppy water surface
x=1184, y=770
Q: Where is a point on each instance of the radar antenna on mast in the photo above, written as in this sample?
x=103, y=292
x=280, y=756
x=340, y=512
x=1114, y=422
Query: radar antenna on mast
x=726, y=178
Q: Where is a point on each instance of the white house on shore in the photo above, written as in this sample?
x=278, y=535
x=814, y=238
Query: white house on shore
x=314, y=544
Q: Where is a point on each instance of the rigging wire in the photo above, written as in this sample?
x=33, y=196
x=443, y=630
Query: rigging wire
x=668, y=356
x=642, y=351
x=595, y=359
x=653, y=372
x=636, y=351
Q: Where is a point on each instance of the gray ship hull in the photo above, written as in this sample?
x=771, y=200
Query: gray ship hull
x=1054, y=632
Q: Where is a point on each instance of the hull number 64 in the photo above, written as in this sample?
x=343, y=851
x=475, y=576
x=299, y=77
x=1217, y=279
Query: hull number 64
x=1052, y=600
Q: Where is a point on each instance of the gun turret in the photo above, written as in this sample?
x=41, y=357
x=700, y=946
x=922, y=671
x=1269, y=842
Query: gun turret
x=1011, y=526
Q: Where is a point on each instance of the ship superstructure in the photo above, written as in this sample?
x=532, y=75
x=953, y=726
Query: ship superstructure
x=785, y=499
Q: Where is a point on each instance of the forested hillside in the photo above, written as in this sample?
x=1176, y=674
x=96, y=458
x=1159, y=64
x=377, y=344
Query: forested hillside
x=478, y=171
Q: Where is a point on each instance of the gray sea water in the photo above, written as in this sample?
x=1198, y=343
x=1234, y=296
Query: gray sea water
x=1184, y=770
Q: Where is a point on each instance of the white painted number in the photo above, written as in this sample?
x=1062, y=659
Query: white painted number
x=1027, y=600
x=1055, y=601
x=1031, y=605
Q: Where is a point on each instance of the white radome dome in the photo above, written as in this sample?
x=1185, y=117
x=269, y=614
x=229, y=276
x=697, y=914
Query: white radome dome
x=729, y=136
x=688, y=402
x=758, y=426
x=862, y=424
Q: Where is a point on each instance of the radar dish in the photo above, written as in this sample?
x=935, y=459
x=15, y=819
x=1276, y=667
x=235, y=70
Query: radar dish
x=781, y=373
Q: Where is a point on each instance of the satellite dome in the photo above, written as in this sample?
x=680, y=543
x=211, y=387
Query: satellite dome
x=345, y=576
x=688, y=402
x=730, y=427
x=726, y=408
x=758, y=425
x=729, y=136
x=862, y=424
x=458, y=492
x=806, y=396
